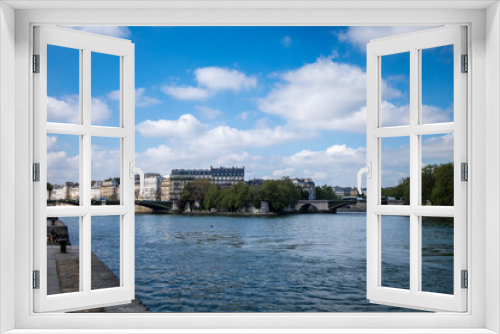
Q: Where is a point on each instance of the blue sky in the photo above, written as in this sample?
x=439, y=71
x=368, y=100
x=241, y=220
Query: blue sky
x=281, y=101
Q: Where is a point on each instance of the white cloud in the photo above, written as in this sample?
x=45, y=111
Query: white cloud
x=286, y=41
x=186, y=126
x=393, y=115
x=67, y=110
x=279, y=173
x=321, y=95
x=192, y=144
x=243, y=116
x=360, y=36
x=217, y=79
x=336, y=164
x=51, y=142
x=197, y=135
x=326, y=95
x=141, y=99
x=164, y=158
x=186, y=92
x=114, y=31
x=61, y=167
x=431, y=114
x=211, y=80
x=228, y=138
x=208, y=112
x=115, y=95
x=437, y=148
x=105, y=162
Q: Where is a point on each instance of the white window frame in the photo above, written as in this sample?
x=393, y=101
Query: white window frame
x=86, y=44
x=484, y=212
x=414, y=43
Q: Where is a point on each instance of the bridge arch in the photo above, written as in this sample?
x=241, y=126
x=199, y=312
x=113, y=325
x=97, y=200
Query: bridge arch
x=308, y=208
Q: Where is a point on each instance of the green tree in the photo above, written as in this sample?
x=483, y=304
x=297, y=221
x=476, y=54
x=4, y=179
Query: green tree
x=195, y=191
x=212, y=197
x=241, y=195
x=428, y=181
x=280, y=194
x=325, y=193
x=400, y=191
x=442, y=192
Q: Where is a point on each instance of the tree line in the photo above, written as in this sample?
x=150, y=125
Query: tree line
x=279, y=194
x=437, y=186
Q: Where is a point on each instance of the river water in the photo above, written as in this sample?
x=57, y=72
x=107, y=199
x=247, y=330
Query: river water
x=295, y=263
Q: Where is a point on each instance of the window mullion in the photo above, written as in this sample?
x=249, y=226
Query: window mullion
x=414, y=169
x=85, y=168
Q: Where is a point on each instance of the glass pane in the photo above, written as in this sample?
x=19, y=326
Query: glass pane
x=63, y=169
x=63, y=255
x=437, y=255
x=105, y=246
x=437, y=170
x=395, y=88
x=395, y=266
x=63, y=85
x=395, y=171
x=437, y=84
x=105, y=106
x=105, y=173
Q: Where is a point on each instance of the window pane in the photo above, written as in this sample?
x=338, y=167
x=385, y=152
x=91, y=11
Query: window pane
x=105, y=247
x=437, y=170
x=437, y=255
x=63, y=85
x=105, y=174
x=395, y=88
x=105, y=106
x=63, y=169
x=63, y=255
x=395, y=170
x=395, y=266
x=437, y=84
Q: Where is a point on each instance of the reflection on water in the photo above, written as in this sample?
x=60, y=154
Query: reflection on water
x=298, y=263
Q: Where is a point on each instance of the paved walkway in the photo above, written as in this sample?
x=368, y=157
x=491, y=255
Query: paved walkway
x=63, y=276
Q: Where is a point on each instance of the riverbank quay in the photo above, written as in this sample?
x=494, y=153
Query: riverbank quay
x=63, y=276
x=227, y=214
x=246, y=214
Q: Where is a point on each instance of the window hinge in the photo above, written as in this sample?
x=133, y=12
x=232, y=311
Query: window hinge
x=464, y=171
x=36, y=279
x=36, y=63
x=465, y=63
x=465, y=279
x=36, y=172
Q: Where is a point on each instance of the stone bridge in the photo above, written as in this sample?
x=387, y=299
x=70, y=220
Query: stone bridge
x=324, y=206
x=157, y=206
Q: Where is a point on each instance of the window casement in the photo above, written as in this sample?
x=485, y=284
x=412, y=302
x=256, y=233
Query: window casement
x=414, y=296
x=86, y=45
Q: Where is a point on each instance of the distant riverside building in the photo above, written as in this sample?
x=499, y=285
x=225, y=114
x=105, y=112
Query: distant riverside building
x=68, y=191
x=152, y=187
x=95, y=190
x=222, y=177
x=165, y=188
x=342, y=191
x=307, y=185
x=110, y=189
x=226, y=177
x=179, y=178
